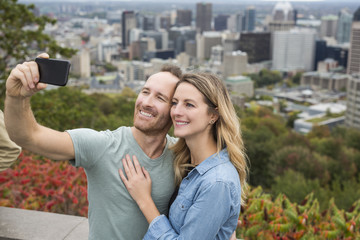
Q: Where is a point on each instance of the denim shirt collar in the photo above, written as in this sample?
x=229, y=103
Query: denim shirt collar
x=212, y=161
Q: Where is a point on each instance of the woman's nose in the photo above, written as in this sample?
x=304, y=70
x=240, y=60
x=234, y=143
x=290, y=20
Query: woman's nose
x=176, y=110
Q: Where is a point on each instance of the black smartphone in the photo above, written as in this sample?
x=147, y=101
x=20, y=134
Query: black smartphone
x=53, y=71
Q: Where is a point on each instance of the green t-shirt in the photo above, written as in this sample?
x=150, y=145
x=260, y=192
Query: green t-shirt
x=113, y=214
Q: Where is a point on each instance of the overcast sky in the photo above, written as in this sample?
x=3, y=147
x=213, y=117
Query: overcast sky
x=213, y=1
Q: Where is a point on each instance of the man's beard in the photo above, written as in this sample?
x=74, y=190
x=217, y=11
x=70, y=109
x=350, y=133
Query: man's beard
x=154, y=127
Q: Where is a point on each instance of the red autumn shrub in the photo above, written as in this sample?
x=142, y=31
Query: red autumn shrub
x=42, y=184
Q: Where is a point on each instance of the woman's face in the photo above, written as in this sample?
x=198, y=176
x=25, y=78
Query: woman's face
x=189, y=112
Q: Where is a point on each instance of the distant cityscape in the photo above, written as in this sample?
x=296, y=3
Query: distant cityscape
x=120, y=44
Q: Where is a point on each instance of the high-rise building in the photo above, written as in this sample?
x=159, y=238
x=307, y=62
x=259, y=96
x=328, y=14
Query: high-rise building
x=320, y=52
x=148, y=23
x=134, y=35
x=234, y=63
x=256, y=45
x=328, y=26
x=204, y=42
x=294, y=50
x=183, y=17
x=220, y=22
x=217, y=54
x=203, y=17
x=343, y=26
x=137, y=49
x=234, y=23
x=354, y=53
x=165, y=22
x=353, y=90
x=190, y=48
x=249, y=19
x=158, y=37
x=283, y=11
x=81, y=63
x=282, y=17
x=128, y=22
x=231, y=44
x=338, y=53
x=178, y=37
x=352, y=116
x=106, y=49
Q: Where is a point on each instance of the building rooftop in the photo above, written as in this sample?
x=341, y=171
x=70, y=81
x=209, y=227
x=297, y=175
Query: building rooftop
x=211, y=34
x=283, y=6
x=330, y=17
x=332, y=107
x=237, y=79
x=326, y=75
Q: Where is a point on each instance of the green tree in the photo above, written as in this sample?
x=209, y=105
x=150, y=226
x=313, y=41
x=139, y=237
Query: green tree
x=322, y=131
x=345, y=192
x=265, y=78
x=296, y=187
x=22, y=37
x=260, y=143
x=297, y=78
x=302, y=160
x=66, y=108
x=353, y=139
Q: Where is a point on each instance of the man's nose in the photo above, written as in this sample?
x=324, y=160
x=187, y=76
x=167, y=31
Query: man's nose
x=148, y=101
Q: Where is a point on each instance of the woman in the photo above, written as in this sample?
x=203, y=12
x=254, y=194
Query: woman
x=210, y=164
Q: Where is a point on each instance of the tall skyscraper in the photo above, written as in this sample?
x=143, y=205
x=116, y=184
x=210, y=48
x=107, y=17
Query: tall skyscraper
x=354, y=53
x=282, y=17
x=178, y=36
x=183, y=17
x=234, y=23
x=352, y=117
x=204, y=43
x=256, y=45
x=343, y=26
x=165, y=22
x=294, y=50
x=320, y=52
x=220, y=22
x=128, y=21
x=203, y=17
x=148, y=23
x=328, y=26
x=249, y=19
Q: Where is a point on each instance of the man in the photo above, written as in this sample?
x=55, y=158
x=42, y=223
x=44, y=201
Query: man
x=9, y=151
x=112, y=212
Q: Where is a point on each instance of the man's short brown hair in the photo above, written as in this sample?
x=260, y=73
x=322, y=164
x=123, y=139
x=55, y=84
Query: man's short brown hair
x=173, y=69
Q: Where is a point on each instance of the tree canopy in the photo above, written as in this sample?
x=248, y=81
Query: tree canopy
x=22, y=37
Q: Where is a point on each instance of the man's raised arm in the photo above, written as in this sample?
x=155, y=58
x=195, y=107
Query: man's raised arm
x=20, y=122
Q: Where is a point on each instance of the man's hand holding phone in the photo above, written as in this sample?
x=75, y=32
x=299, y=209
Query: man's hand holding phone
x=30, y=77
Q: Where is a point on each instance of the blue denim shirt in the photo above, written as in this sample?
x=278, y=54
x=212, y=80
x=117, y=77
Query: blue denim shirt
x=207, y=205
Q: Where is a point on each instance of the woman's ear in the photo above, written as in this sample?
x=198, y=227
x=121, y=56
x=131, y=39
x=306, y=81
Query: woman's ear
x=214, y=116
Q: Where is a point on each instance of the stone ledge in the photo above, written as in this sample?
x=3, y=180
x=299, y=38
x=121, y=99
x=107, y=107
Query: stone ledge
x=20, y=224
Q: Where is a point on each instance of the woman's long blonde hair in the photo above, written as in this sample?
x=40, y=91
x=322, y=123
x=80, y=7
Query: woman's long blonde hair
x=226, y=129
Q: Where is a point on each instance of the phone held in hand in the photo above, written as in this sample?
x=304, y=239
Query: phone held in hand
x=53, y=71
